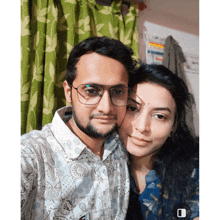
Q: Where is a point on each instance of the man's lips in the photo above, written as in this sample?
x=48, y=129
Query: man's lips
x=104, y=119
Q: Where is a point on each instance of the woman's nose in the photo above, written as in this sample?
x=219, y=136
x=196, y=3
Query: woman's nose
x=142, y=123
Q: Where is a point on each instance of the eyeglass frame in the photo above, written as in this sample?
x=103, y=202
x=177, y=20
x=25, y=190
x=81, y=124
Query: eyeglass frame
x=100, y=85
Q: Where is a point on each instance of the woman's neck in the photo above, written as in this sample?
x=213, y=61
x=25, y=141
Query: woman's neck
x=141, y=164
x=140, y=167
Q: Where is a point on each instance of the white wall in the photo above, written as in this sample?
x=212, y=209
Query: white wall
x=189, y=44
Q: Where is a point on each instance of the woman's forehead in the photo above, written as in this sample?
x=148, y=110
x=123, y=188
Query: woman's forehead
x=151, y=93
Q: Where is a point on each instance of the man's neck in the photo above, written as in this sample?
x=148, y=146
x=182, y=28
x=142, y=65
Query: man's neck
x=96, y=145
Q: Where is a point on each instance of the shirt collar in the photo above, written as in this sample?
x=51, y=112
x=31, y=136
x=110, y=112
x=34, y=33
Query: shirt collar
x=70, y=143
x=111, y=143
x=149, y=178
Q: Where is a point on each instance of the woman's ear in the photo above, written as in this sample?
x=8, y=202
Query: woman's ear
x=174, y=128
x=67, y=91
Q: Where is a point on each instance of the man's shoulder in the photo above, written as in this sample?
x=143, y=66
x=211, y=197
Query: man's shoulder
x=38, y=133
x=36, y=138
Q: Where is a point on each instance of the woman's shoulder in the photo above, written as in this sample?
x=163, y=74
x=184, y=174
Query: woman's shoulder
x=195, y=177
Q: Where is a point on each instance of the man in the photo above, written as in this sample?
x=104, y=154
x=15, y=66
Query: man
x=75, y=167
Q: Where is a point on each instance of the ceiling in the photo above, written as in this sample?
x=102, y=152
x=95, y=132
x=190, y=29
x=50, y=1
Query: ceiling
x=177, y=14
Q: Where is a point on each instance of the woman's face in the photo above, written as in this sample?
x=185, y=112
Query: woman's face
x=149, y=120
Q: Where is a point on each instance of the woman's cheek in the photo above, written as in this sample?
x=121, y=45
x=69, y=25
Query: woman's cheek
x=123, y=130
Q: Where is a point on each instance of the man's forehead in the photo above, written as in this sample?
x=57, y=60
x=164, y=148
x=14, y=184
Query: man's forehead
x=96, y=59
x=99, y=69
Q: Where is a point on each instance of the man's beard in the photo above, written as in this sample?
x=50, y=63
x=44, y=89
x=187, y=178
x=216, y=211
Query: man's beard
x=90, y=130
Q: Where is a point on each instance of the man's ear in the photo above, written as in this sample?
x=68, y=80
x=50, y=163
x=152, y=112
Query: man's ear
x=67, y=91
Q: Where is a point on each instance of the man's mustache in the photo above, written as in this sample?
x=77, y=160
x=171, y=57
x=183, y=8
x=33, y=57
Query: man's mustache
x=102, y=115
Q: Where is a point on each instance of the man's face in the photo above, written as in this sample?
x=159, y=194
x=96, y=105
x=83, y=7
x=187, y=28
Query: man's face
x=101, y=119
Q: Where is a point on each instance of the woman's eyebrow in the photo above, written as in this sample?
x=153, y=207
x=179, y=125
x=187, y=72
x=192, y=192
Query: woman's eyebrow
x=163, y=109
x=134, y=101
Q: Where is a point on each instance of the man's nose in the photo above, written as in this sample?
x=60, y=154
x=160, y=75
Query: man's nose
x=105, y=104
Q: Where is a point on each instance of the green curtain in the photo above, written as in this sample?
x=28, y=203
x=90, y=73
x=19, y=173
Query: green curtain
x=49, y=30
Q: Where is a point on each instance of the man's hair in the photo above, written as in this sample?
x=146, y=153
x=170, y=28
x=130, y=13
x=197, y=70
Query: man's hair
x=102, y=45
x=177, y=158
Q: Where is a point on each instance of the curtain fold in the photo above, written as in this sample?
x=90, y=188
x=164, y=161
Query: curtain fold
x=49, y=30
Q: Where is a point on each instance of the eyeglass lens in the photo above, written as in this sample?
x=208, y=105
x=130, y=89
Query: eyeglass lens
x=90, y=94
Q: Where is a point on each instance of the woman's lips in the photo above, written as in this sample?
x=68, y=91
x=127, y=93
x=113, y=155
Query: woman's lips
x=139, y=141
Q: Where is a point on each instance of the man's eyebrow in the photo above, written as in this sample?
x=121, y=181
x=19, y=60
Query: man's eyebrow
x=96, y=84
x=163, y=109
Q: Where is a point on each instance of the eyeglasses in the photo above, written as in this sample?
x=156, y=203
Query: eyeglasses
x=90, y=94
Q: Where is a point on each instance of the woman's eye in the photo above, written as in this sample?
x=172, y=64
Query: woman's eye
x=133, y=105
x=132, y=108
x=159, y=116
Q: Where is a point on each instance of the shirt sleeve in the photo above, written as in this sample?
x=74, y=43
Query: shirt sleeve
x=28, y=181
x=195, y=201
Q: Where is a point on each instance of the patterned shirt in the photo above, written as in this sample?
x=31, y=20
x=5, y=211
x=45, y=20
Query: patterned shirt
x=62, y=179
x=150, y=196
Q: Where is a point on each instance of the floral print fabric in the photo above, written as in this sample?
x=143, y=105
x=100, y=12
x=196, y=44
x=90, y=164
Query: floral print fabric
x=150, y=196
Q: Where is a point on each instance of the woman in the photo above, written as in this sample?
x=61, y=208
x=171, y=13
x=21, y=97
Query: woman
x=163, y=152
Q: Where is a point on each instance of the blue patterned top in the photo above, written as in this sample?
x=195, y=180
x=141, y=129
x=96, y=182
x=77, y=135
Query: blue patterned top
x=149, y=199
x=62, y=179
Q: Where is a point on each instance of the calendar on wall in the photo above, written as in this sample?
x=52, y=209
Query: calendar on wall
x=154, y=37
x=154, y=49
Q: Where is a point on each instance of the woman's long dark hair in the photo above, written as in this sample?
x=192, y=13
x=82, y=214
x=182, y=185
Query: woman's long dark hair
x=178, y=157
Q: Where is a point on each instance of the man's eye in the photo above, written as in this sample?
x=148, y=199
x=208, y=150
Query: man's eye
x=117, y=92
x=91, y=91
